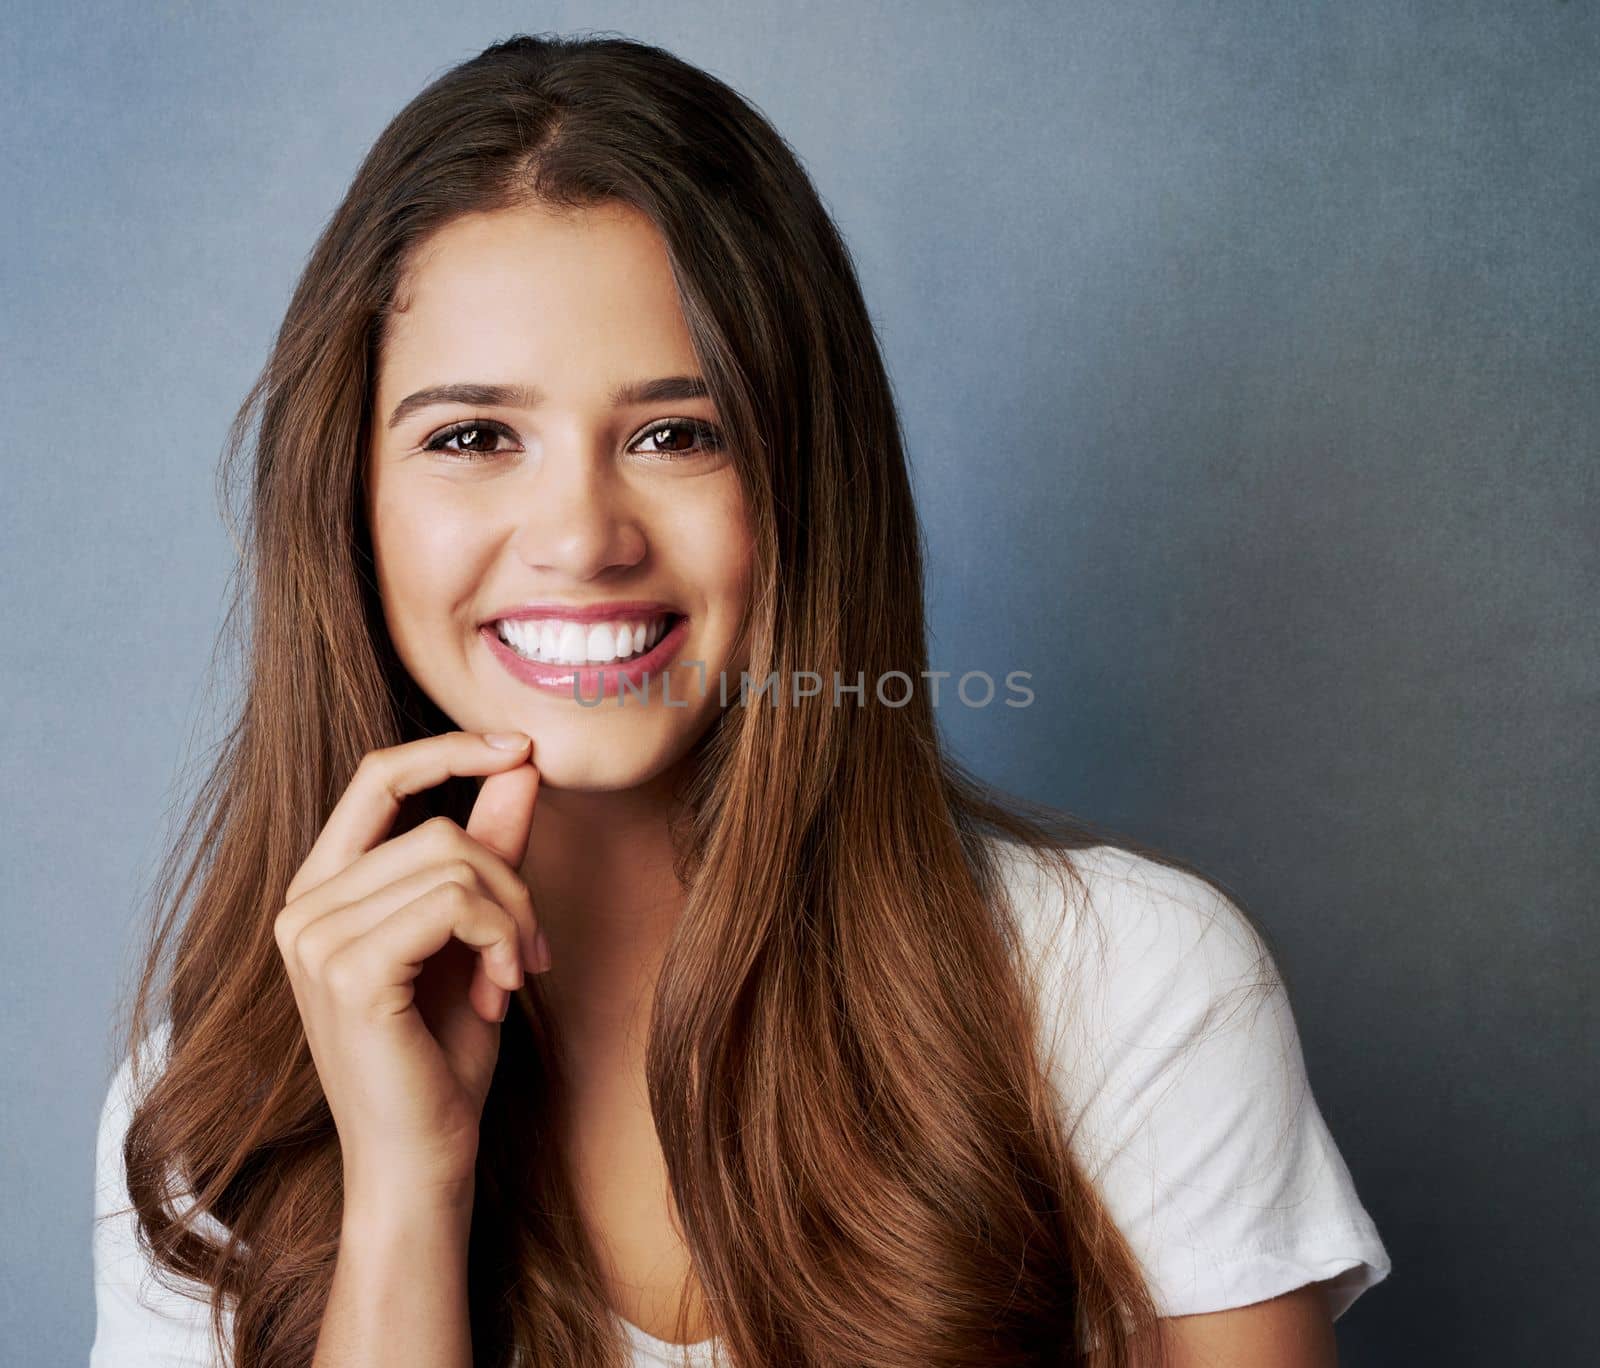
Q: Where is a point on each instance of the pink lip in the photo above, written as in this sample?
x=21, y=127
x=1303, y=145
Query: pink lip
x=592, y=682
x=588, y=612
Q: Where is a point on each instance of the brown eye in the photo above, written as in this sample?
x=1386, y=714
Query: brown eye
x=671, y=438
x=681, y=437
x=473, y=439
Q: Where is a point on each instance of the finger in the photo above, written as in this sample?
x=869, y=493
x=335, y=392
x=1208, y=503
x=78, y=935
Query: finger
x=457, y=972
x=321, y=937
x=438, y=841
x=384, y=779
x=486, y=996
x=500, y=821
x=502, y=815
x=380, y=965
x=438, y=995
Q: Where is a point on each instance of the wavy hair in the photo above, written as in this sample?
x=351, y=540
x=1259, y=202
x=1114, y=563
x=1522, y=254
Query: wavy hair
x=867, y=1160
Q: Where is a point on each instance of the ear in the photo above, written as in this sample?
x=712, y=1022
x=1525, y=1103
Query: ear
x=503, y=812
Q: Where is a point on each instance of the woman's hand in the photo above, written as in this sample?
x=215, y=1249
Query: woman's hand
x=403, y=955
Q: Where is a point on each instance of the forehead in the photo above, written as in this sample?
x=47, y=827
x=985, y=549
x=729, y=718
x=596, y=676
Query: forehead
x=531, y=294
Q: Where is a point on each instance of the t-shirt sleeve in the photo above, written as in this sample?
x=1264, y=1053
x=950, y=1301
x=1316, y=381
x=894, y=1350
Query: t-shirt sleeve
x=142, y=1320
x=1176, y=1055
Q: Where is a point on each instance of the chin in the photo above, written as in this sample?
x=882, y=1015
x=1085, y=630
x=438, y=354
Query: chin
x=570, y=760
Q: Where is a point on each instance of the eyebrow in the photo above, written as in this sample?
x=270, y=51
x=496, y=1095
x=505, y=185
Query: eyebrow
x=663, y=390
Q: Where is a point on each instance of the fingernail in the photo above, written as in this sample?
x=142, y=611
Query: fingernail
x=541, y=952
x=505, y=1003
x=506, y=740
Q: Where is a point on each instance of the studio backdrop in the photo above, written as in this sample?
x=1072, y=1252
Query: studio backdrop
x=1246, y=354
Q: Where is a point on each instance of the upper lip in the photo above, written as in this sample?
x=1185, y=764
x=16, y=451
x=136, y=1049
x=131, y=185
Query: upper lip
x=615, y=611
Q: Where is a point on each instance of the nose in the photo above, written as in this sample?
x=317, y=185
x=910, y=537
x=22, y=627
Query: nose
x=578, y=519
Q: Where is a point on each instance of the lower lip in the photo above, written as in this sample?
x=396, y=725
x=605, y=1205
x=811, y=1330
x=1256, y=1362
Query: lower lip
x=589, y=683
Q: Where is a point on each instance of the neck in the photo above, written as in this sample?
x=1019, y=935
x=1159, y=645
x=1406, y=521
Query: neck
x=599, y=867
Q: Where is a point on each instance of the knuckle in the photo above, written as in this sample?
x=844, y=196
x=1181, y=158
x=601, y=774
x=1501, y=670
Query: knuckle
x=461, y=870
x=440, y=835
x=310, y=948
x=376, y=767
x=283, y=931
x=303, y=952
x=455, y=897
x=341, y=975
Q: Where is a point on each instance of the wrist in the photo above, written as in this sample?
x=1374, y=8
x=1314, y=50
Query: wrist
x=380, y=1205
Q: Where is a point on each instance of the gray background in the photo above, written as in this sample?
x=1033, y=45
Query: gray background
x=1246, y=353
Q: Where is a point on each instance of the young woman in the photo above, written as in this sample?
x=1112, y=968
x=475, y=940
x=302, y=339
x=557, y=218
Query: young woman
x=560, y=981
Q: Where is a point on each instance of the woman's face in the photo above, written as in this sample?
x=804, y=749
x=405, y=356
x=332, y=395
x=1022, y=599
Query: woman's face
x=513, y=475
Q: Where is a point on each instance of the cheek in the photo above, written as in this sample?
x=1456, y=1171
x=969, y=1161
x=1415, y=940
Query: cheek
x=718, y=542
x=421, y=546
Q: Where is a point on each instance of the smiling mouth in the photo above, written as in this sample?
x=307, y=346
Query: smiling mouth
x=554, y=641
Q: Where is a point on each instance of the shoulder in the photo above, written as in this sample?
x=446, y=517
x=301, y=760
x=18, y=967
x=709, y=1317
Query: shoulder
x=1167, y=1032
x=1127, y=951
x=127, y=1087
x=143, y=1313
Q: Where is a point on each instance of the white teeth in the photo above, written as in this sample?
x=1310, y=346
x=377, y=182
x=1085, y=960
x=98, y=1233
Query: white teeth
x=573, y=640
x=580, y=643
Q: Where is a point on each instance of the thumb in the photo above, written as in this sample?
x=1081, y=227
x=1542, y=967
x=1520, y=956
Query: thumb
x=503, y=812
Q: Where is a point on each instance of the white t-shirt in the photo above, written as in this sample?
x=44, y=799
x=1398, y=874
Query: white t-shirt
x=1185, y=1086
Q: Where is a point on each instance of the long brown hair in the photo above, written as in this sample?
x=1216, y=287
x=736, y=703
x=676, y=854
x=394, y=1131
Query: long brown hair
x=868, y=1162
